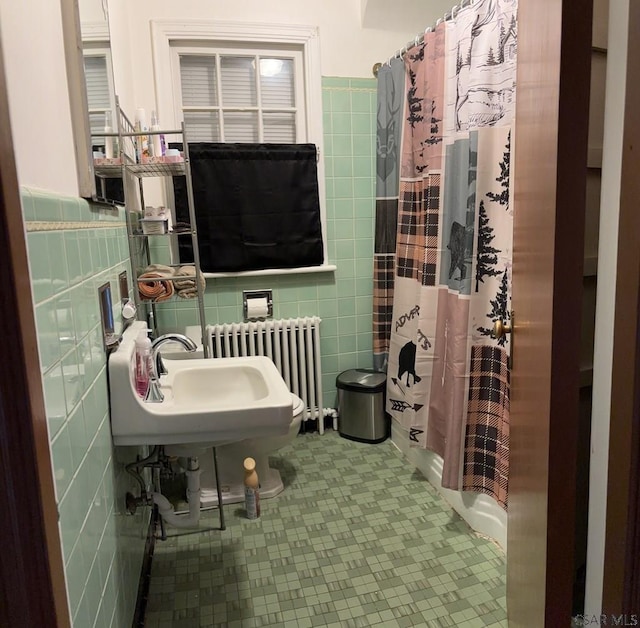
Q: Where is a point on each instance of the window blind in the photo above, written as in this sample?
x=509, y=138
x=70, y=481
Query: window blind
x=98, y=97
x=276, y=82
x=198, y=80
x=238, y=79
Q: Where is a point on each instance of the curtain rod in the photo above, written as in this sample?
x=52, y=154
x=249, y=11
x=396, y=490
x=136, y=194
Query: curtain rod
x=419, y=38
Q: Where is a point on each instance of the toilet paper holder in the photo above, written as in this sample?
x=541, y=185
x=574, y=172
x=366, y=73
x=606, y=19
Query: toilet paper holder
x=252, y=295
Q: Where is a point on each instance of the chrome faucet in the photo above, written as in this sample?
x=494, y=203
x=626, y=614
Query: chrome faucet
x=154, y=394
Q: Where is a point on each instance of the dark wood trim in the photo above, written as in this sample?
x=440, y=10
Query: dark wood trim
x=622, y=542
x=550, y=167
x=631, y=594
x=571, y=200
x=32, y=581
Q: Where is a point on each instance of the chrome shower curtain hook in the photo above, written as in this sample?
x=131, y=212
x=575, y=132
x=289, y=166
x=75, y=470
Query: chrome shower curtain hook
x=453, y=12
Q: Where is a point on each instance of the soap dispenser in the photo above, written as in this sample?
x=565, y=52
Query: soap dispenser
x=143, y=363
x=157, y=141
x=142, y=140
x=109, y=144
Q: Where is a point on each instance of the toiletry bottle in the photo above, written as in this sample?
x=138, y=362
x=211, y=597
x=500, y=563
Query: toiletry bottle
x=251, y=486
x=143, y=362
x=109, y=151
x=157, y=141
x=142, y=141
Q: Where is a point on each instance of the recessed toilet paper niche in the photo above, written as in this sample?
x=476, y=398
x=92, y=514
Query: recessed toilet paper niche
x=257, y=304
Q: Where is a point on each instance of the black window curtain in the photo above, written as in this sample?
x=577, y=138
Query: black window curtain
x=256, y=206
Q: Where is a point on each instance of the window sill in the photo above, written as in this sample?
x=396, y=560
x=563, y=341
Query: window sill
x=325, y=268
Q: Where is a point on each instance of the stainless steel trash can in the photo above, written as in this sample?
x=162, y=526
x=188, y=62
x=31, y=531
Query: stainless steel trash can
x=361, y=414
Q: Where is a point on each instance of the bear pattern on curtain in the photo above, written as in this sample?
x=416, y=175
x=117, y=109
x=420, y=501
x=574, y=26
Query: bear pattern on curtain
x=448, y=379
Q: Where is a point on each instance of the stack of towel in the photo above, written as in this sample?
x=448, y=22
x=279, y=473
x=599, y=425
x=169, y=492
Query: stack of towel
x=185, y=282
x=159, y=282
x=154, y=285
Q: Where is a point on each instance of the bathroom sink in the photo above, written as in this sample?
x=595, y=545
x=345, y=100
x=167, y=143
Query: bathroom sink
x=206, y=401
x=228, y=380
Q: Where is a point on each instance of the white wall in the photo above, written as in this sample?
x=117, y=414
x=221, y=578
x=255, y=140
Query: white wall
x=347, y=48
x=398, y=15
x=34, y=62
x=92, y=11
x=605, y=304
x=121, y=54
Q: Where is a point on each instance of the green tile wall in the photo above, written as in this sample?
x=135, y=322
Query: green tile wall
x=78, y=250
x=74, y=248
x=342, y=299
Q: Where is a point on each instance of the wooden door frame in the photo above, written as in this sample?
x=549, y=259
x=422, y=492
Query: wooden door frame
x=550, y=169
x=32, y=582
x=621, y=587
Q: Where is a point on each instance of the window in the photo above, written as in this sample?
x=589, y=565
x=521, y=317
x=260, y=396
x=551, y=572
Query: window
x=97, y=70
x=100, y=100
x=241, y=83
x=249, y=95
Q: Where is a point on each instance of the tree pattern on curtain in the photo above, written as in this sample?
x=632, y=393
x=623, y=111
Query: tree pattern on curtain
x=448, y=383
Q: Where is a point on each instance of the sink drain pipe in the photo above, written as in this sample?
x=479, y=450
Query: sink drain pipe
x=166, y=509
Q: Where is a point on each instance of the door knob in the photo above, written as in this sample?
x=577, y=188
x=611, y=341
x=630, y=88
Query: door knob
x=500, y=330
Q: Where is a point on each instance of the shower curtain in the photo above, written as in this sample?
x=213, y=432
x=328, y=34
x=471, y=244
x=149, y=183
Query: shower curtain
x=391, y=99
x=448, y=379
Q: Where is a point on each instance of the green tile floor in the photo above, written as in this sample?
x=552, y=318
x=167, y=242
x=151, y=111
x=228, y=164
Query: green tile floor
x=358, y=538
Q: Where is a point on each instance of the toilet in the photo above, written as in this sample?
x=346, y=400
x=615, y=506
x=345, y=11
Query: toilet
x=230, y=459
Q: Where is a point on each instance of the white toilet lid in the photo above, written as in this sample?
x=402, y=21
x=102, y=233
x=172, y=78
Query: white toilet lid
x=298, y=404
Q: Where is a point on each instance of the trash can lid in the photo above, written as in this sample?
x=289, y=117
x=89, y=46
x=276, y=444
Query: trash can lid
x=361, y=379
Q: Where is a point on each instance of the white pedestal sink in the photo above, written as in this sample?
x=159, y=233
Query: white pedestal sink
x=206, y=401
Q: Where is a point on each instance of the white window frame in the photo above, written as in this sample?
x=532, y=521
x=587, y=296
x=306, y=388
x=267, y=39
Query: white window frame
x=169, y=35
